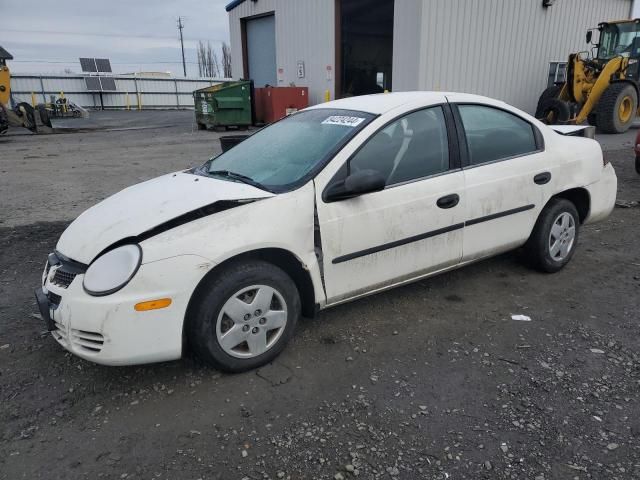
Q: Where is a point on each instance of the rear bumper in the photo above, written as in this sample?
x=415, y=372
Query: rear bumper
x=603, y=195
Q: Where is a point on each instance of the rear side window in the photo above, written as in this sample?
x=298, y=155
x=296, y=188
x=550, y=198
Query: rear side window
x=493, y=134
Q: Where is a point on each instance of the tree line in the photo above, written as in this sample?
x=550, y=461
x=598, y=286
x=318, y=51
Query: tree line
x=210, y=64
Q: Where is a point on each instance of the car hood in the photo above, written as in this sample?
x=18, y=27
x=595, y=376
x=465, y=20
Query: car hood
x=139, y=208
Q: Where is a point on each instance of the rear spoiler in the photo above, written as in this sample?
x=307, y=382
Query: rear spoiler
x=586, y=131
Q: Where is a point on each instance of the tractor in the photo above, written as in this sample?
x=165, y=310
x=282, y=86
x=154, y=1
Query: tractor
x=23, y=114
x=601, y=86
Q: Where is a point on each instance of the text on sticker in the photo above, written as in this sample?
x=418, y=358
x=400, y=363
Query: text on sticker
x=343, y=120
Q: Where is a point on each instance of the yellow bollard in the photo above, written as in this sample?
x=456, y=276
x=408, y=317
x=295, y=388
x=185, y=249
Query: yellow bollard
x=126, y=96
x=327, y=95
x=33, y=99
x=139, y=101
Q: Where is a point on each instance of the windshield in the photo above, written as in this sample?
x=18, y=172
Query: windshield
x=619, y=39
x=280, y=156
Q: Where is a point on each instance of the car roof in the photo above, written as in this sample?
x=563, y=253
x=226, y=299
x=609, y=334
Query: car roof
x=380, y=103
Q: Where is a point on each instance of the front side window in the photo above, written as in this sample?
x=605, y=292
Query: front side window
x=412, y=147
x=493, y=134
x=280, y=156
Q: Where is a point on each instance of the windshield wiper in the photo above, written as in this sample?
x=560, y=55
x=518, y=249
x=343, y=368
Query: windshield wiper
x=239, y=177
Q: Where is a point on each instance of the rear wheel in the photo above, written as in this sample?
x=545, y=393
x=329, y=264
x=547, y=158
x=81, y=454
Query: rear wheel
x=244, y=316
x=202, y=126
x=555, y=236
x=550, y=92
x=617, y=108
x=554, y=111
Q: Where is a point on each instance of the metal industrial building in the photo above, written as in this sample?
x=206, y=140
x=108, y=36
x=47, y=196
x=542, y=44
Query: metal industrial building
x=500, y=48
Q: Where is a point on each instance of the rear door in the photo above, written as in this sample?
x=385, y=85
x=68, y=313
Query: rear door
x=505, y=168
x=412, y=227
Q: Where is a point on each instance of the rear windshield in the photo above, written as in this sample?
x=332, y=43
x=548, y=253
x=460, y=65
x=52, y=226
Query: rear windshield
x=285, y=154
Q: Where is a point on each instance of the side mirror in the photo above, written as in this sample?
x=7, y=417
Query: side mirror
x=358, y=183
x=589, y=36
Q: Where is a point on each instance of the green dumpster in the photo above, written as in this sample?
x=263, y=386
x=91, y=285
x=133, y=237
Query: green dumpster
x=227, y=104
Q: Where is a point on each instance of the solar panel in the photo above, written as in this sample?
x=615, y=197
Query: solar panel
x=103, y=65
x=93, y=84
x=88, y=65
x=108, y=83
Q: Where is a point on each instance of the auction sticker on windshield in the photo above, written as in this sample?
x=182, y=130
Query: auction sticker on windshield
x=343, y=120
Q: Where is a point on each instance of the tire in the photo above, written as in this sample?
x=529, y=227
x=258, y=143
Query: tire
x=610, y=118
x=638, y=165
x=208, y=317
x=554, y=111
x=592, y=118
x=550, y=92
x=541, y=246
x=202, y=126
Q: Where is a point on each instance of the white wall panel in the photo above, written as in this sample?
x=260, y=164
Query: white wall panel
x=304, y=32
x=502, y=48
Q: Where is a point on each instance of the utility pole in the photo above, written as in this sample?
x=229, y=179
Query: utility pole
x=180, y=27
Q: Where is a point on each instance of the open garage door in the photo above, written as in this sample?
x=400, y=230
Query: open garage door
x=365, y=52
x=260, y=50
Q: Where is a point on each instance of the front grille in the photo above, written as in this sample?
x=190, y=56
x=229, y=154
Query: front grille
x=54, y=299
x=90, y=342
x=62, y=278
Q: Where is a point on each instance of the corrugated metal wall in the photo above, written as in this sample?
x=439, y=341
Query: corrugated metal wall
x=501, y=48
x=304, y=32
x=154, y=92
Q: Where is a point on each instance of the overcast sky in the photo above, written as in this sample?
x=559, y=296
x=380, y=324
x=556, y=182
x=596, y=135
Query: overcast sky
x=137, y=35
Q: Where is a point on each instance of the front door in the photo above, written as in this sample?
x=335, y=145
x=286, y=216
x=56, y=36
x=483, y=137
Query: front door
x=412, y=227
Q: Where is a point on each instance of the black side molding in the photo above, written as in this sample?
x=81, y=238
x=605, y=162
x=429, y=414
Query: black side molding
x=433, y=233
x=397, y=243
x=493, y=216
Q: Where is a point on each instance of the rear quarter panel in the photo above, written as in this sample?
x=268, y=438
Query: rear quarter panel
x=574, y=162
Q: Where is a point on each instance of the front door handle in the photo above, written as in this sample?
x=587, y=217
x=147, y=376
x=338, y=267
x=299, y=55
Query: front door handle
x=448, y=201
x=542, y=178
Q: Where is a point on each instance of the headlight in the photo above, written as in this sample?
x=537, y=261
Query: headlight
x=113, y=270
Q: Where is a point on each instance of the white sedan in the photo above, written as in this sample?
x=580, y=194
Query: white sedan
x=338, y=201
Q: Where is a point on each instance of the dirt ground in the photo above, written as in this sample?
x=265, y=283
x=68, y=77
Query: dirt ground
x=429, y=381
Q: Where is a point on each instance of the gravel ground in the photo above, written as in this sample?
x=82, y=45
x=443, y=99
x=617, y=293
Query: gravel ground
x=432, y=381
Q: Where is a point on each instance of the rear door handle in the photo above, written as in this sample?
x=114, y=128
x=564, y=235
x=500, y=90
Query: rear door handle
x=448, y=201
x=542, y=178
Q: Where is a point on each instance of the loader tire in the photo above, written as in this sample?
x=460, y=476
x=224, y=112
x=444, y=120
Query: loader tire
x=551, y=92
x=554, y=111
x=592, y=118
x=617, y=108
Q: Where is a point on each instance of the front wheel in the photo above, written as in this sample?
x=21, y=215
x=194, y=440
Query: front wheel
x=555, y=236
x=244, y=316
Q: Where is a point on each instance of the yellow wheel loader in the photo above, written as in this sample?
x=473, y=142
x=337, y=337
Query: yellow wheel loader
x=601, y=86
x=22, y=114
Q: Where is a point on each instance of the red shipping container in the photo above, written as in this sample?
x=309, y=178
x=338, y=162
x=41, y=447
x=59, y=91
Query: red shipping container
x=274, y=103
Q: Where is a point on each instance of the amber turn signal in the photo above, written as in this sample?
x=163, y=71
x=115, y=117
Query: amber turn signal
x=153, y=304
